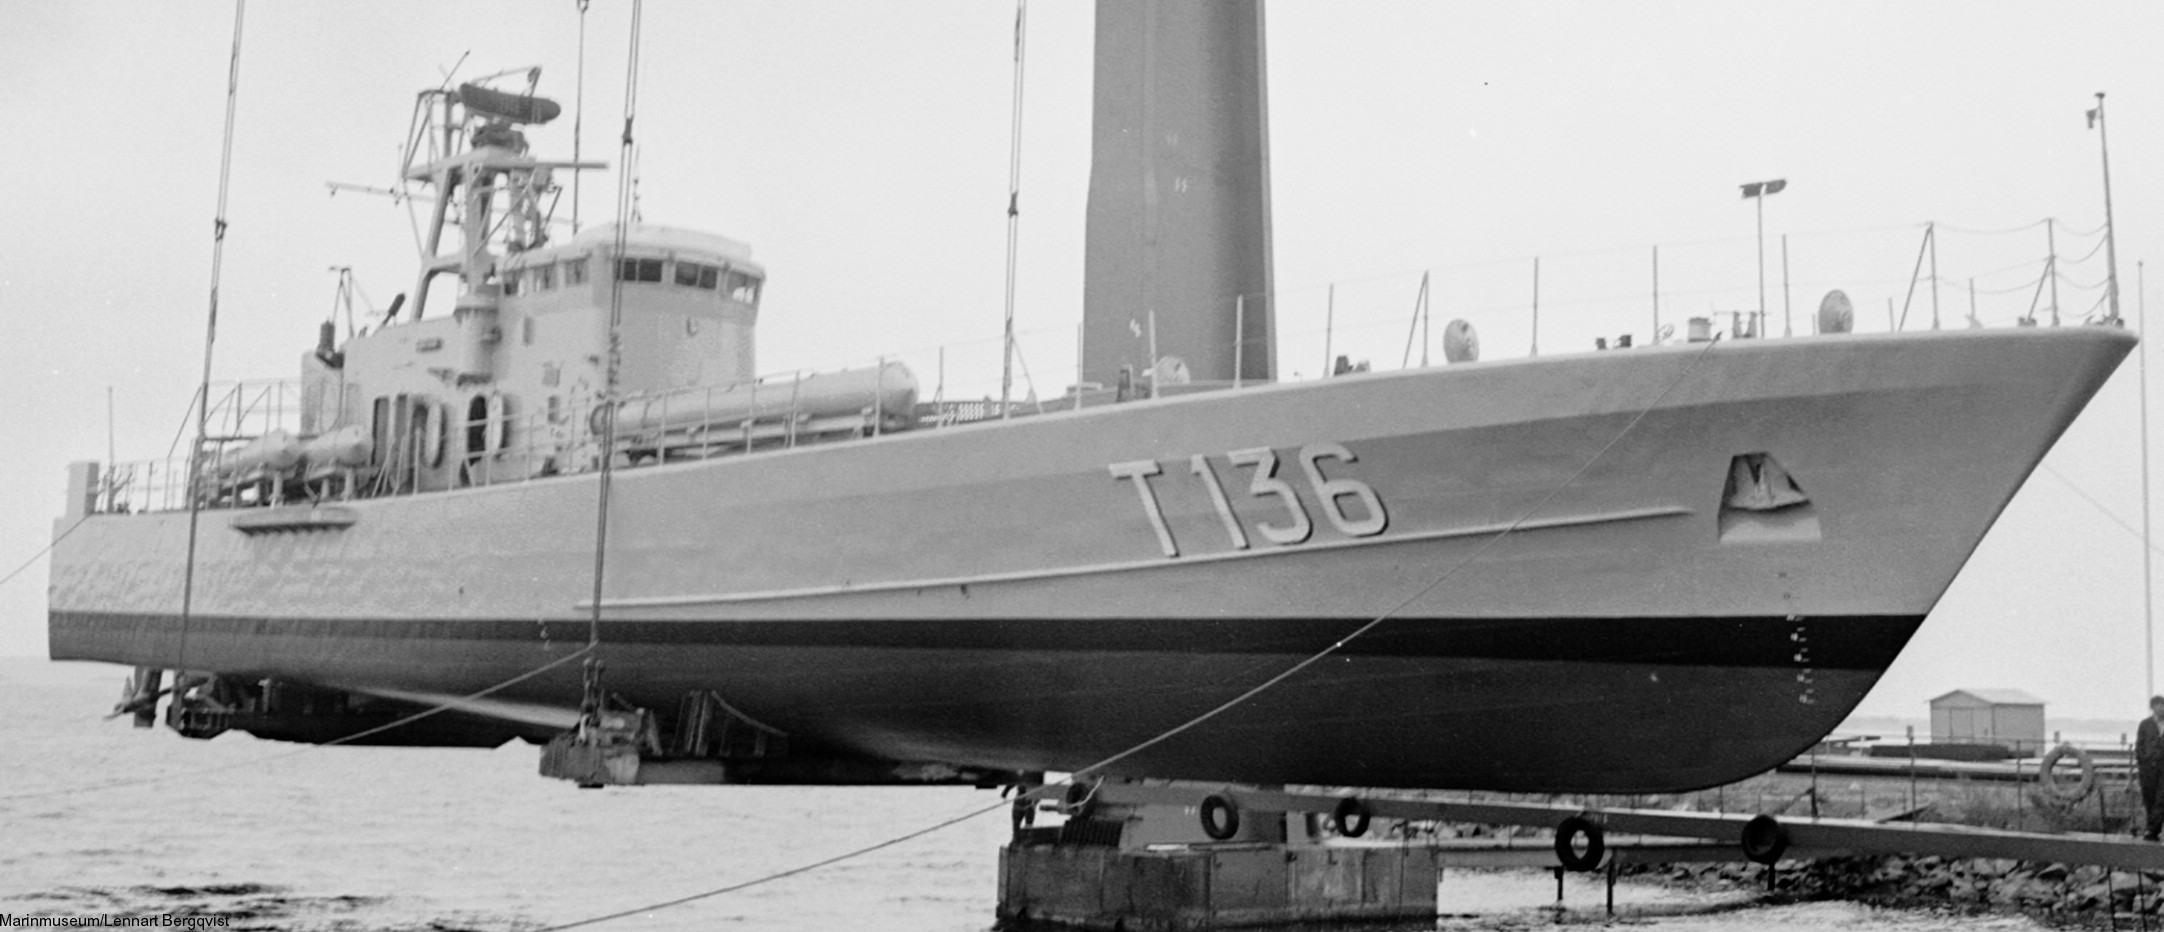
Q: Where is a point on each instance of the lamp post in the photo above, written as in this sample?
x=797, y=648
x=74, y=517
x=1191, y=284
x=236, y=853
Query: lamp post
x=1759, y=191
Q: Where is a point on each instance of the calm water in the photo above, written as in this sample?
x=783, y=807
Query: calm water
x=412, y=839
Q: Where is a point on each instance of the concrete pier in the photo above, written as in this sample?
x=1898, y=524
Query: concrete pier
x=1214, y=886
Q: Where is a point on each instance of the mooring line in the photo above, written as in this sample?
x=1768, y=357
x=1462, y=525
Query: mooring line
x=210, y=337
x=778, y=875
x=1046, y=791
x=348, y=739
x=48, y=548
x=626, y=189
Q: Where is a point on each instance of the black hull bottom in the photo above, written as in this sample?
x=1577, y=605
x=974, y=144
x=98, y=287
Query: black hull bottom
x=1588, y=705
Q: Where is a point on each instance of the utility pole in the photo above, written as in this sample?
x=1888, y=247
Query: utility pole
x=2148, y=620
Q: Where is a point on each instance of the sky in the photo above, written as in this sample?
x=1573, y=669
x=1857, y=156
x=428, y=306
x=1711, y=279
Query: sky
x=862, y=150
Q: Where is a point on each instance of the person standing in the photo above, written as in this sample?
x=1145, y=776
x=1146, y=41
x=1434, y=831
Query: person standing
x=2149, y=765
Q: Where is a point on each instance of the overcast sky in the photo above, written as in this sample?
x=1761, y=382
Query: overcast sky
x=861, y=148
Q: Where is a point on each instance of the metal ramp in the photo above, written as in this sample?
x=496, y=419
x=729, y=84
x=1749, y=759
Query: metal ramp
x=1752, y=836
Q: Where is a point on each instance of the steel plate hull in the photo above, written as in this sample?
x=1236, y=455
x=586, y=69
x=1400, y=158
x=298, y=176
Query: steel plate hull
x=1571, y=611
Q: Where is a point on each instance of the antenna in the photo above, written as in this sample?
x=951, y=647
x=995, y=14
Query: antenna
x=1014, y=213
x=1461, y=343
x=1835, y=313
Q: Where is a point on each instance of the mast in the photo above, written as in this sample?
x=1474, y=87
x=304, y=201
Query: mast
x=2111, y=244
x=1179, y=202
x=491, y=183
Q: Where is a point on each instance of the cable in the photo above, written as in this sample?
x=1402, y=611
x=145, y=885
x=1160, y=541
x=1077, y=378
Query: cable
x=779, y=875
x=578, y=119
x=1014, y=217
x=48, y=548
x=1966, y=231
x=610, y=402
x=2078, y=284
x=2099, y=506
x=2091, y=254
x=356, y=736
x=210, y=338
x=1044, y=791
x=2080, y=233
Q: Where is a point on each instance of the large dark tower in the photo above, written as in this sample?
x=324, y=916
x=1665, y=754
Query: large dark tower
x=1179, y=209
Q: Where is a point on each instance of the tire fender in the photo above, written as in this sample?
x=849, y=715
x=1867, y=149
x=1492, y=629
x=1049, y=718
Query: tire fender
x=1566, y=843
x=1351, y=817
x=1220, y=816
x=1764, y=839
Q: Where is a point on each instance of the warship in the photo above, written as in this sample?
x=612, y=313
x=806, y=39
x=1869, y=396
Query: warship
x=1645, y=569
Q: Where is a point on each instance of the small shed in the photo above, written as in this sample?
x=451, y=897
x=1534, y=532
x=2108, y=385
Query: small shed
x=2007, y=717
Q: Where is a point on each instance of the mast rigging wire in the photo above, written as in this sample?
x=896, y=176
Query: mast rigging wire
x=1014, y=213
x=210, y=340
x=578, y=118
x=616, y=320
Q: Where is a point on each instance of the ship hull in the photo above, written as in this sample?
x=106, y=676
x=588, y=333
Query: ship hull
x=1572, y=603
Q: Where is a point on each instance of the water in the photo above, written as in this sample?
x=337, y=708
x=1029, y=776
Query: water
x=439, y=839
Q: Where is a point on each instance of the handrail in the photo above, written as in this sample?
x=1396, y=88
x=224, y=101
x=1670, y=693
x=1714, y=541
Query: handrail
x=1360, y=320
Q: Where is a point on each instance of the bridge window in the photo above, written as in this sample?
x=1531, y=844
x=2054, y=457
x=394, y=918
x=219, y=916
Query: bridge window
x=574, y=271
x=743, y=286
x=638, y=270
x=694, y=275
x=544, y=278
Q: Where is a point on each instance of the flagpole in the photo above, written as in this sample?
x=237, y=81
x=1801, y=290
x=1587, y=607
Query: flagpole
x=1759, y=191
x=2111, y=246
x=1761, y=267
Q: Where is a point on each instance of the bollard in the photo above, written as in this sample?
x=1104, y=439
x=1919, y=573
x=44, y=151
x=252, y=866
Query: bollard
x=1611, y=886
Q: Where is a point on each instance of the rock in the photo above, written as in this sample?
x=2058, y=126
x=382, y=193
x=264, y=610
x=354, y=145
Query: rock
x=2053, y=872
x=2091, y=896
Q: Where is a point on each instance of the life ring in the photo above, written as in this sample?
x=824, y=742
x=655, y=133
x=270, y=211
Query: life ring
x=1764, y=839
x=1351, y=817
x=2078, y=789
x=1220, y=817
x=1567, y=834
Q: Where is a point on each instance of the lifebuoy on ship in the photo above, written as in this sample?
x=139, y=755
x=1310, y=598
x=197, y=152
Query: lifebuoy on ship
x=2080, y=787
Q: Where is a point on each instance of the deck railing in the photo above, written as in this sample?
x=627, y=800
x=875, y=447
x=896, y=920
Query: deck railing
x=1575, y=302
